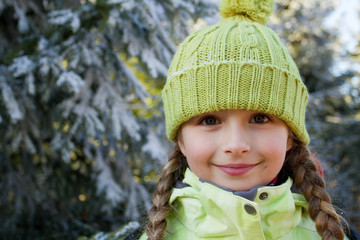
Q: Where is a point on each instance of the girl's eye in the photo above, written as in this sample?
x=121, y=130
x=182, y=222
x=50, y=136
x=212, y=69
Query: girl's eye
x=260, y=118
x=209, y=121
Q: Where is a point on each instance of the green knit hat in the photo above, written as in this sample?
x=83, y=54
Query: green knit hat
x=239, y=63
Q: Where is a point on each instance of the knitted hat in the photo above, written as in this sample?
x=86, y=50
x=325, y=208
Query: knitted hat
x=239, y=63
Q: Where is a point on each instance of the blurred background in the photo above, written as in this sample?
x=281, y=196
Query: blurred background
x=82, y=135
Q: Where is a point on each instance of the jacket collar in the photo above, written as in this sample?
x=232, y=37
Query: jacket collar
x=209, y=211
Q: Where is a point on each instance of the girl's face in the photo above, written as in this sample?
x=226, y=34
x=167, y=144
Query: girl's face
x=235, y=149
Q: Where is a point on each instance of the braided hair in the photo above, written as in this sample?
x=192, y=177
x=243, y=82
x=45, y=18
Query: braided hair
x=173, y=171
x=301, y=166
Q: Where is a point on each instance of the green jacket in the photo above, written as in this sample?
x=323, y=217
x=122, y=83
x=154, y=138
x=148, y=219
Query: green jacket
x=204, y=211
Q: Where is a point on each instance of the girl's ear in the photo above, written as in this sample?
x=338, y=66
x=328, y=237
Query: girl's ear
x=289, y=143
x=180, y=142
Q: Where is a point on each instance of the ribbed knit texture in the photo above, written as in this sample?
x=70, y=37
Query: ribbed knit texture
x=238, y=63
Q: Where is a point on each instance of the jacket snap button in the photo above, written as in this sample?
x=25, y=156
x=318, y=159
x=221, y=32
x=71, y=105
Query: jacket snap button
x=250, y=209
x=263, y=196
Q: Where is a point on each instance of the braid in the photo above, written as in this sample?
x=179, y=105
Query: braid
x=173, y=171
x=302, y=168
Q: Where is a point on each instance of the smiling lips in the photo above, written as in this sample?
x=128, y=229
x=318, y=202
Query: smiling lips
x=236, y=169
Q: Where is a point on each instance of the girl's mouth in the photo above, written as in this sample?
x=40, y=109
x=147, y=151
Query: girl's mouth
x=236, y=169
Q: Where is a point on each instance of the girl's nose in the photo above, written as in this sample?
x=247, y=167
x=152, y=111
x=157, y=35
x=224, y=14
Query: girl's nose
x=236, y=140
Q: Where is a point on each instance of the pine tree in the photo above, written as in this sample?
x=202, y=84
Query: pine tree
x=80, y=120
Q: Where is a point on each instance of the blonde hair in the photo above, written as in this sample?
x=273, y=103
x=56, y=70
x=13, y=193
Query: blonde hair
x=302, y=168
x=173, y=171
x=299, y=165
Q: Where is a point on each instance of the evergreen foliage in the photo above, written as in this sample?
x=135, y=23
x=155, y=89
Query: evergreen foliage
x=81, y=124
x=79, y=111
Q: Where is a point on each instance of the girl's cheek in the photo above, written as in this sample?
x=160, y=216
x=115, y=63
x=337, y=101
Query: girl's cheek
x=275, y=142
x=278, y=152
x=198, y=151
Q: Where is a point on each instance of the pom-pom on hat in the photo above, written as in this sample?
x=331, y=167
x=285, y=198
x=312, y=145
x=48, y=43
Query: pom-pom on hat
x=254, y=10
x=238, y=63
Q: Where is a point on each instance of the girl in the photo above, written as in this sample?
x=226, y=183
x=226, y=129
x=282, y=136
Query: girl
x=235, y=107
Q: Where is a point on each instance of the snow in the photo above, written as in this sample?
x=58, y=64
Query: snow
x=11, y=103
x=23, y=24
x=155, y=148
x=128, y=227
x=75, y=23
x=60, y=17
x=106, y=183
x=115, y=1
x=113, y=18
x=129, y=122
x=71, y=80
x=22, y=66
x=42, y=44
x=90, y=117
x=30, y=83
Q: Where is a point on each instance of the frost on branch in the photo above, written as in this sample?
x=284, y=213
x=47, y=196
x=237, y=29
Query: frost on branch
x=30, y=83
x=21, y=66
x=71, y=81
x=63, y=145
x=155, y=147
x=61, y=17
x=8, y=98
x=121, y=117
x=106, y=183
x=118, y=234
x=11, y=103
